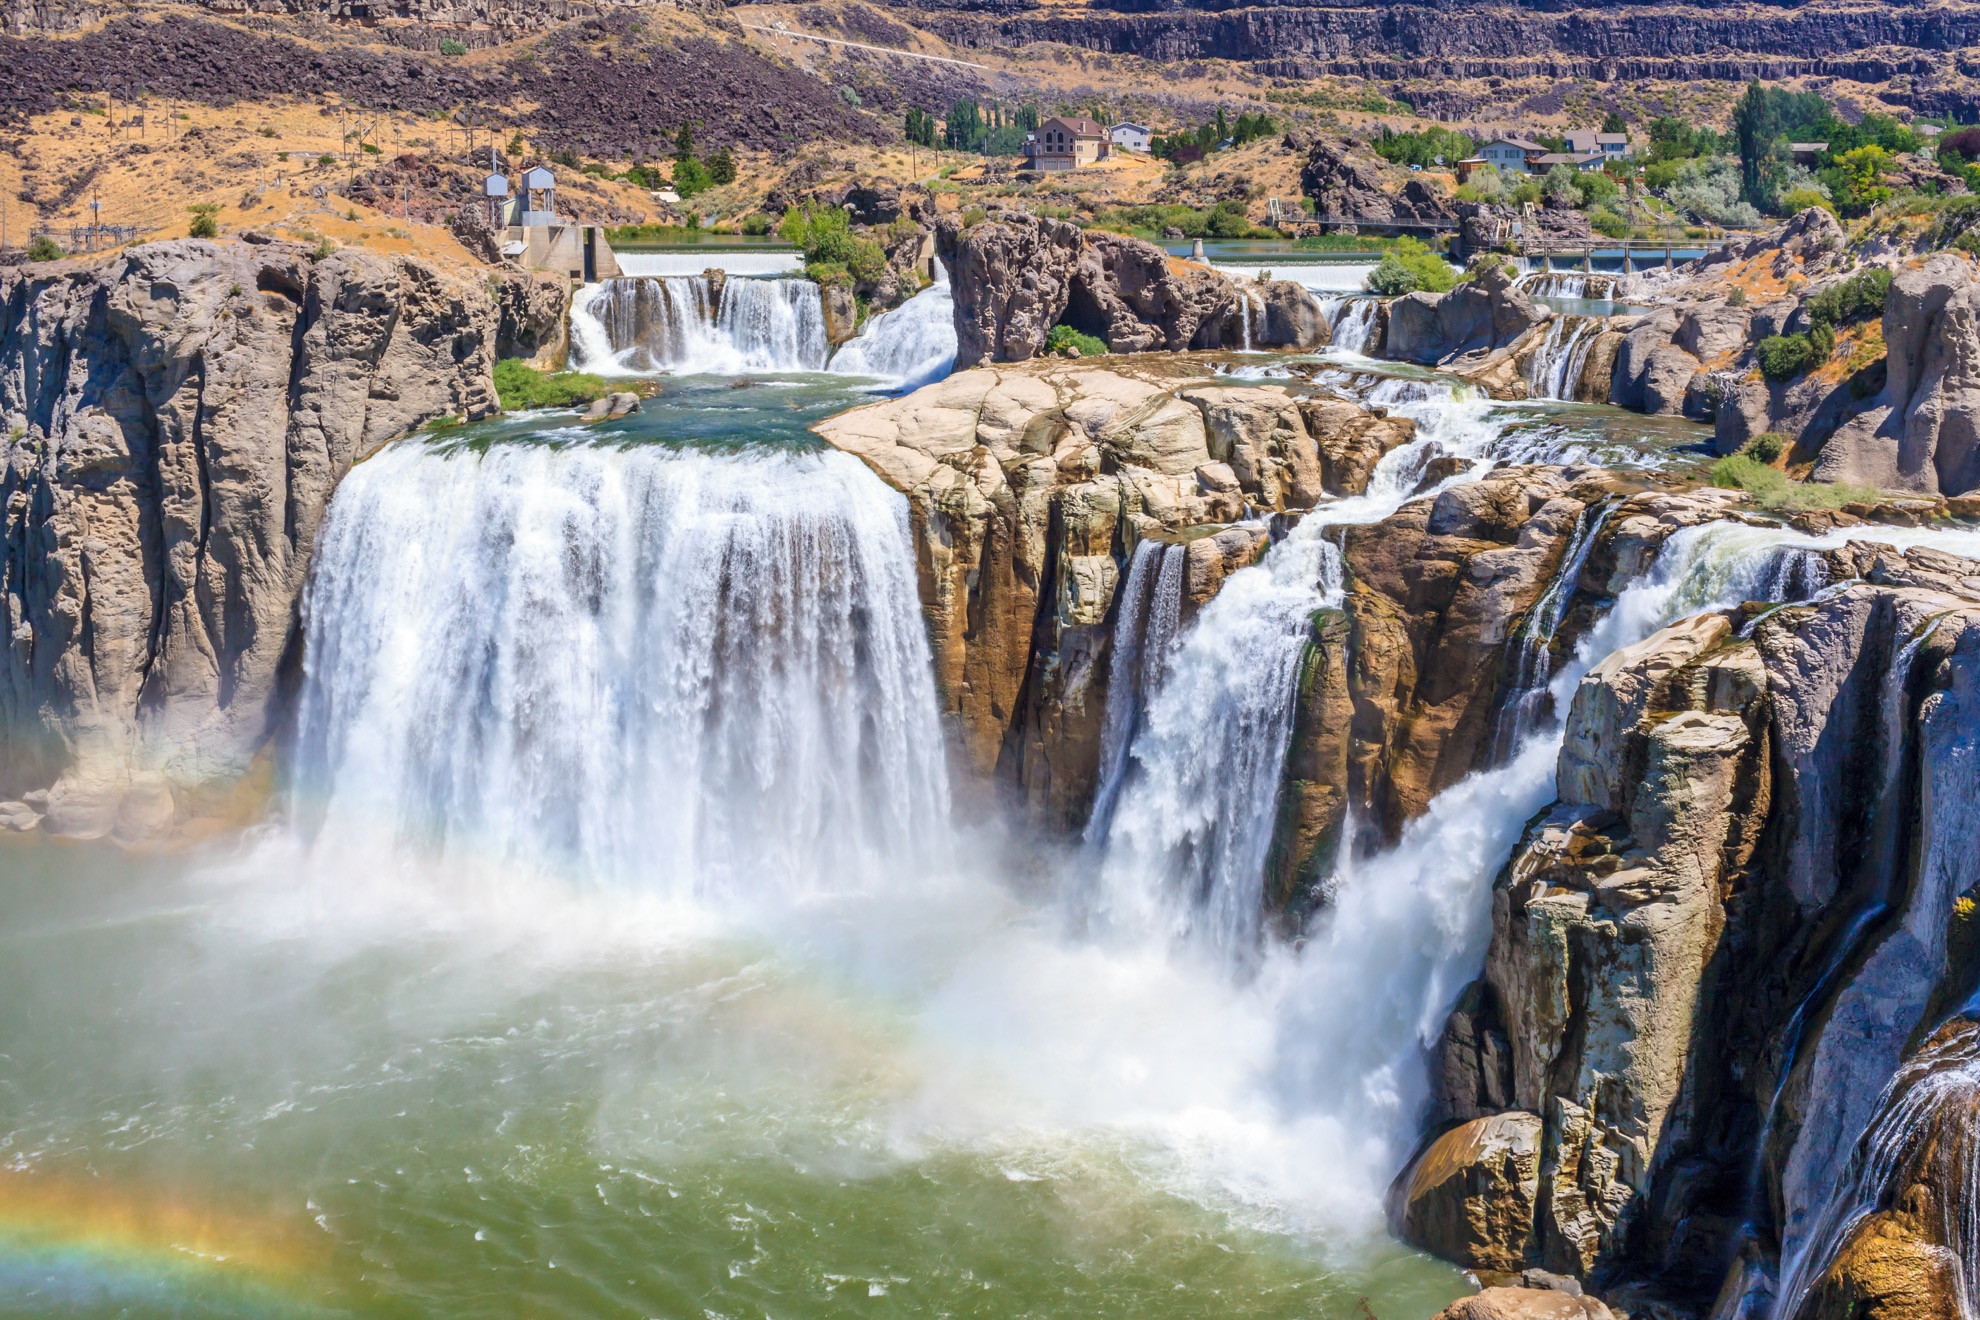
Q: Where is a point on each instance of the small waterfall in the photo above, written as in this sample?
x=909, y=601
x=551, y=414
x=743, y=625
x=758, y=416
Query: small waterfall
x=1352, y=321
x=1145, y=628
x=668, y=671
x=682, y=324
x=1553, y=371
x=1575, y=284
x=1194, y=801
x=908, y=347
x=1370, y=989
x=1925, y=1132
x=1526, y=703
x=1249, y=309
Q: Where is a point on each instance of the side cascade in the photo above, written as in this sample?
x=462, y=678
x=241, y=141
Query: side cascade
x=692, y=324
x=908, y=347
x=1353, y=321
x=1554, y=369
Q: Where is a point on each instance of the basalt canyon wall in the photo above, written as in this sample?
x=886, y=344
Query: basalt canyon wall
x=1709, y=954
x=174, y=423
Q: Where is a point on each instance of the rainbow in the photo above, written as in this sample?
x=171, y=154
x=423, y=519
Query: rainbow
x=81, y=1245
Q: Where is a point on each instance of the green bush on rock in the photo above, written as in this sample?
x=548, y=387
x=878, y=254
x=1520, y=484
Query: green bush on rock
x=1411, y=268
x=1063, y=337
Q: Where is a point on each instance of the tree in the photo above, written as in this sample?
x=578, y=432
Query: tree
x=43, y=248
x=1613, y=123
x=964, y=129
x=684, y=142
x=1856, y=180
x=722, y=168
x=1409, y=267
x=203, y=223
x=1765, y=120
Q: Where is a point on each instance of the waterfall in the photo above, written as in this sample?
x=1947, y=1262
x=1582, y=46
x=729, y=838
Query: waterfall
x=1352, y=321
x=1370, y=988
x=1575, y=284
x=1194, y=801
x=1553, y=371
x=683, y=324
x=1144, y=633
x=661, y=670
x=1864, y=1032
x=1526, y=701
x=1923, y=1132
x=1249, y=306
x=908, y=347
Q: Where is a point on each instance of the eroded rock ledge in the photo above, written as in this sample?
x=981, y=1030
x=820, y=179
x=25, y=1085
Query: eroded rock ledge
x=172, y=423
x=1030, y=487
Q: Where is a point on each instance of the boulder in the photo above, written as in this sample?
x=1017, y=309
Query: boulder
x=1485, y=314
x=1525, y=1304
x=1347, y=182
x=1470, y=1196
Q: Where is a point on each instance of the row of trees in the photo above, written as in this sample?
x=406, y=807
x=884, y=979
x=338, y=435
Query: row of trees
x=990, y=130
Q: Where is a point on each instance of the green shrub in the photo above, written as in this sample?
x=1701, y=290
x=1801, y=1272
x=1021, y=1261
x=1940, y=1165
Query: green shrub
x=1411, y=267
x=756, y=224
x=1796, y=200
x=43, y=248
x=448, y=46
x=1783, y=357
x=1773, y=489
x=518, y=386
x=1607, y=223
x=1767, y=447
x=203, y=223
x=1736, y=298
x=1062, y=337
x=1857, y=298
x=326, y=160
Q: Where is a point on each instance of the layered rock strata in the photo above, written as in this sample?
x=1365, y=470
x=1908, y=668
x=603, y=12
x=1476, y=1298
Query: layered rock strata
x=175, y=420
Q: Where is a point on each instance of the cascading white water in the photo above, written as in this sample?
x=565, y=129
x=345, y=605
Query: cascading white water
x=1194, y=801
x=1370, y=988
x=1554, y=369
x=1352, y=322
x=1923, y=1132
x=1568, y=284
x=669, y=671
x=1145, y=625
x=680, y=323
x=908, y=347
x=1526, y=702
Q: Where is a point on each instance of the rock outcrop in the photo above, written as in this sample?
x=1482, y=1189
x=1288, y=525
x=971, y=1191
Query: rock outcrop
x=1350, y=186
x=1484, y=319
x=1016, y=275
x=1663, y=993
x=1922, y=431
x=175, y=420
x=1029, y=488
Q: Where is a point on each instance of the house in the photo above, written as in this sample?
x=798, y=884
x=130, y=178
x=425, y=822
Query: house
x=1131, y=137
x=1509, y=155
x=1806, y=154
x=1610, y=146
x=1067, y=144
x=1574, y=160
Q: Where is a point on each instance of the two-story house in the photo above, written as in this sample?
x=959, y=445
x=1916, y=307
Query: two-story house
x=1509, y=155
x=1131, y=137
x=1066, y=144
x=1609, y=146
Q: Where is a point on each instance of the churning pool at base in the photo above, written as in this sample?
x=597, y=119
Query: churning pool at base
x=249, y=1083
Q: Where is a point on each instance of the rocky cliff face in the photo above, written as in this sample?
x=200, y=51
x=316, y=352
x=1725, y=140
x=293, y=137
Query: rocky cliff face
x=1029, y=488
x=1016, y=276
x=1485, y=320
x=1707, y=956
x=174, y=423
